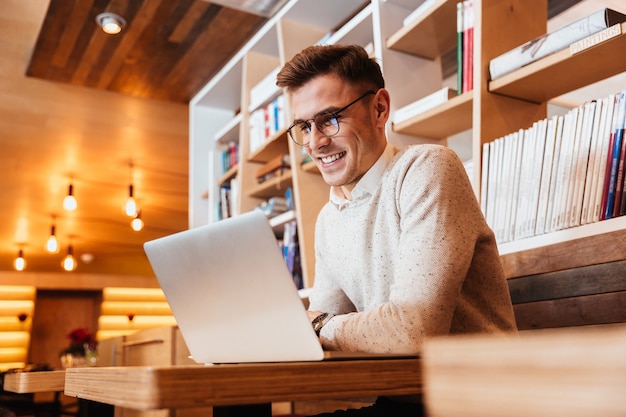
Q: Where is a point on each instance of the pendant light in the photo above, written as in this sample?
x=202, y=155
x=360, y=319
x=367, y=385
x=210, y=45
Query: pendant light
x=20, y=262
x=69, y=262
x=69, y=202
x=130, y=208
x=52, y=245
x=137, y=224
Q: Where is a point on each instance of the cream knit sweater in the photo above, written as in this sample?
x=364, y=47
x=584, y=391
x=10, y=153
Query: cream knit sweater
x=410, y=256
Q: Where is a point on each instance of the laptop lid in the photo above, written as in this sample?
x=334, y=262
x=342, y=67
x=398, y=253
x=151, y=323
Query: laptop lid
x=231, y=293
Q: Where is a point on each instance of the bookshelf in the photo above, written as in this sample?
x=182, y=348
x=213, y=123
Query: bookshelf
x=411, y=58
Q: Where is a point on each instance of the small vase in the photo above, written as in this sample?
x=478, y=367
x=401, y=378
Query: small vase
x=71, y=360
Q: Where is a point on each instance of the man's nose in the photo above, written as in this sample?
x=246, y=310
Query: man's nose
x=316, y=138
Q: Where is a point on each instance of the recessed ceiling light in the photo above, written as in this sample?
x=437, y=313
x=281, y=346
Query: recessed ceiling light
x=111, y=23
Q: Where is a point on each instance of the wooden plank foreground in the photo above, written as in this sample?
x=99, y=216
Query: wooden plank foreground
x=575, y=372
x=158, y=387
x=28, y=382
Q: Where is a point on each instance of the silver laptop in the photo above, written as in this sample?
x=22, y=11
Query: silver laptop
x=231, y=293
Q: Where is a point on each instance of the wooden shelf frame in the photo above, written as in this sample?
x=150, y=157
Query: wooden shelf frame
x=442, y=121
x=429, y=36
x=563, y=72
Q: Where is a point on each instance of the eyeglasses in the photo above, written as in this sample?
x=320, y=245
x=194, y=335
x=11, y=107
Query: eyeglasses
x=327, y=123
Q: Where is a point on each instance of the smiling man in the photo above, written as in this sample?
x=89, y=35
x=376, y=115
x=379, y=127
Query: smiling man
x=403, y=251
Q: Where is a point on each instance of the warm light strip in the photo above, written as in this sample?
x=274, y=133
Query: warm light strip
x=127, y=310
x=12, y=354
x=10, y=339
x=16, y=307
x=132, y=294
x=138, y=322
x=116, y=308
x=17, y=292
x=11, y=365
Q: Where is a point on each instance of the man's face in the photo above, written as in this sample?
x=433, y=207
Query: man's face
x=345, y=157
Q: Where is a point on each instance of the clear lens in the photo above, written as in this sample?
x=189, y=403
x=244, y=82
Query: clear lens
x=326, y=124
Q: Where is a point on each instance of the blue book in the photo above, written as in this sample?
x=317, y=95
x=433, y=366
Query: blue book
x=615, y=153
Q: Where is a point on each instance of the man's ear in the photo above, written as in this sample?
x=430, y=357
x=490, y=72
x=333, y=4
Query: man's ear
x=382, y=106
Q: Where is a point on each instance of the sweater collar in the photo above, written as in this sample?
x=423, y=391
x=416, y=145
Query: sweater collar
x=367, y=184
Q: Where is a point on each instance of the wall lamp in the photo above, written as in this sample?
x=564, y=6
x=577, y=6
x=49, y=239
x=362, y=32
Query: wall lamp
x=111, y=23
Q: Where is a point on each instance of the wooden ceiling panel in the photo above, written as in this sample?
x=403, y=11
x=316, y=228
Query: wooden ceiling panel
x=168, y=50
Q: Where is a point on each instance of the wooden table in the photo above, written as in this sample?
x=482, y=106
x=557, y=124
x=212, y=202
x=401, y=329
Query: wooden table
x=158, y=387
x=30, y=382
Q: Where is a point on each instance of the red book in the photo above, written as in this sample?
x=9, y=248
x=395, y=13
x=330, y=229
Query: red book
x=619, y=183
x=468, y=45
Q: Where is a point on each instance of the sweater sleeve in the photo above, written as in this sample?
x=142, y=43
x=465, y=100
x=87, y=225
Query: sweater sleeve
x=440, y=224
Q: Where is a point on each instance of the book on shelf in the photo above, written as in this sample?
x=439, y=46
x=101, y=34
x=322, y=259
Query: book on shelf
x=468, y=46
x=266, y=121
x=273, y=168
x=274, y=206
x=227, y=204
x=264, y=90
x=291, y=252
x=423, y=104
x=459, y=47
x=614, y=157
x=554, y=41
x=592, y=162
x=230, y=156
x=553, y=174
x=602, y=150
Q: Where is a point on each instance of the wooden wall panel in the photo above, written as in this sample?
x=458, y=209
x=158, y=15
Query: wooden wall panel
x=590, y=295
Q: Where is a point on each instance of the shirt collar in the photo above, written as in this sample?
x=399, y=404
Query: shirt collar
x=368, y=183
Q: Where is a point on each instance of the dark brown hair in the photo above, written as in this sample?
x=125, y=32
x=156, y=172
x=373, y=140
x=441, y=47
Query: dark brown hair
x=350, y=62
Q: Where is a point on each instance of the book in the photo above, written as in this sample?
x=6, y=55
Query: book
x=264, y=90
x=606, y=139
x=546, y=176
x=459, y=47
x=468, y=45
x=593, y=163
x=582, y=160
x=423, y=104
x=554, y=175
x=614, y=154
x=554, y=41
x=619, y=182
x=275, y=166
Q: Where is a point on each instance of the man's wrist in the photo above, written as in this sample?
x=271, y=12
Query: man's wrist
x=321, y=320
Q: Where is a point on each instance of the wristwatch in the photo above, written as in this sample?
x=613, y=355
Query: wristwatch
x=319, y=322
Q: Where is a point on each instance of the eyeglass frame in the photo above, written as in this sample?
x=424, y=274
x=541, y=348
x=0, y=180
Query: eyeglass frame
x=332, y=115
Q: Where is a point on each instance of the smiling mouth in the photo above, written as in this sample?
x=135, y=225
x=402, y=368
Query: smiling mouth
x=332, y=158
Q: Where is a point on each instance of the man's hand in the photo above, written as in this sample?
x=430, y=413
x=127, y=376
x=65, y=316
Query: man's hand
x=313, y=314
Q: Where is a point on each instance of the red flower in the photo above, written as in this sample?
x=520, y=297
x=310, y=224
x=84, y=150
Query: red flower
x=81, y=337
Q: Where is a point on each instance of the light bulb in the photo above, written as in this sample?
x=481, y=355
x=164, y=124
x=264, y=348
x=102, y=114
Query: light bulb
x=20, y=262
x=69, y=202
x=131, y=206
x=111, y=27
x=69, y=262
x=137, y=223
x=52, y=245
x=111, y=23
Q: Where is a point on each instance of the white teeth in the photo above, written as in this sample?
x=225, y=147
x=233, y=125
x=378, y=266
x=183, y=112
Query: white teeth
x=331, y=158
